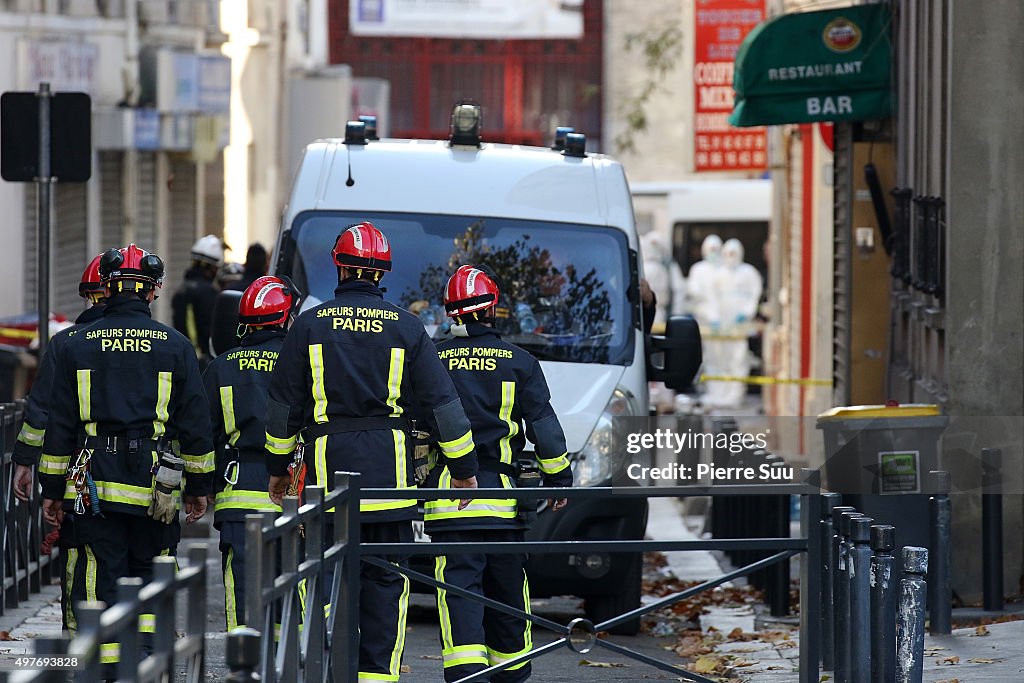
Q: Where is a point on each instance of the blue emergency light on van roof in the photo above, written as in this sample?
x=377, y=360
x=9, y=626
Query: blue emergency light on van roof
x=355, y=133
x=560, y=133
x=371, y=126
x=575, y=145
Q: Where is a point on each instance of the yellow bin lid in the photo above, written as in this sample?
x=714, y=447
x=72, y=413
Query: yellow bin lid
x=877, y=411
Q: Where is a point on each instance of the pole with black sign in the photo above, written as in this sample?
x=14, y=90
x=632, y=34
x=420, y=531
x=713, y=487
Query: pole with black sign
x=43, y=184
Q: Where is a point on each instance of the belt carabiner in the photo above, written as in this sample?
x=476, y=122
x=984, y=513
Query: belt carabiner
x=231, y=472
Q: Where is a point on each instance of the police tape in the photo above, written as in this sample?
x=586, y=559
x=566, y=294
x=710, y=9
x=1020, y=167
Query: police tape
x=804, y=381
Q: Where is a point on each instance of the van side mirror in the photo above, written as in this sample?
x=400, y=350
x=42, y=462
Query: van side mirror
x=224, y=326
x=675, y=357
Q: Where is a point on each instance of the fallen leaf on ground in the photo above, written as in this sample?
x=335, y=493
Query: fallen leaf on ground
x=707, y=665
x=6, y=635
x=742, y=663
x=981, y=660
x=952, y=680
x=981, y=630
x=406, y=669
x=431, y=657
x=601, y=665
x=949, y=660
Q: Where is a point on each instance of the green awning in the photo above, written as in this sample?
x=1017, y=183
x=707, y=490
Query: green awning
x=832, y=65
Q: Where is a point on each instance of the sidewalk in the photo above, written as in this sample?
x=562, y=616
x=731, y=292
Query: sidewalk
x=37, y=617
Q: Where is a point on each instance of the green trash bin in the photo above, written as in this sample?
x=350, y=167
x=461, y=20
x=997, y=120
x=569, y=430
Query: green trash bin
x=878, y=457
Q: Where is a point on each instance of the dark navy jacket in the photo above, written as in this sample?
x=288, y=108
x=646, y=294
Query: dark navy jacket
x=33, y=429
x=502, y=388
x=236, y=387
x=358, y=356
x=123, y=377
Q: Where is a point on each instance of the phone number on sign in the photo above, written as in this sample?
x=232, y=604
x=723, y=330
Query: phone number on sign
x=28, y=663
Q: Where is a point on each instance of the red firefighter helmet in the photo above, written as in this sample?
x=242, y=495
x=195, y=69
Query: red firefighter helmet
x=469, y=290
x=363, y=246
x=267, y=301
x=131, y=264
x=91, y=286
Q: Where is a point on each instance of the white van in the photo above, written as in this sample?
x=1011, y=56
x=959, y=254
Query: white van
x=557, y=226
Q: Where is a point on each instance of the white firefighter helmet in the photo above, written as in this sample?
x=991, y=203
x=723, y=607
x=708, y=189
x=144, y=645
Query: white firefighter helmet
x=209, y=249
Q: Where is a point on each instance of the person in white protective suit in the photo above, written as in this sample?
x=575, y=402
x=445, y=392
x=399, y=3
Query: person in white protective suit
x=737, y=286
x=701, y=301
x=665, y=278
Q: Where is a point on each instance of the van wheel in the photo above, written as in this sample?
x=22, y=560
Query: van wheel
x=600, y=608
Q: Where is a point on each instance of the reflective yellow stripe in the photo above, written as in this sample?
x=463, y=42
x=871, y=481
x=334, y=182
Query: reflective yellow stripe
x=115, y=492
x=54, y=464
x=147, y=623
x=464, y=654
x=227, y=409
x=199, y=464
x=363, y=677
x=191, y=328
x=442, y=604
x=69, y=584
x=508, y=399
x=110, y=653
x=478, y=507
x=403, y=612
x=316, y=364
x=236, y=499
x=30, y=436
x=386, y=504
x=401, y=479
x=456, y=448
x=395, y=370
x=85, y=395
x=320, y=462
x=163, y=399
x=90, y=574
x=230, y=607
x=553, y=465
x=280, y=446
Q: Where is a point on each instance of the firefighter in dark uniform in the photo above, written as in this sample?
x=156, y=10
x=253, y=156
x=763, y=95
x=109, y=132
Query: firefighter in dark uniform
x=30, y=439
x=348, y=374
x=128, y=418
x=192, y=305
x=502, y=387
x=236, y=386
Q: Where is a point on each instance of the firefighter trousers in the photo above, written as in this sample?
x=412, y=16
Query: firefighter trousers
x=232, y=564
x=383, y=603
x=474, y=637
x=101, y=550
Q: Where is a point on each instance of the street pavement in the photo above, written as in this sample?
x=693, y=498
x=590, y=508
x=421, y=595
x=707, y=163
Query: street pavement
x=733, y=640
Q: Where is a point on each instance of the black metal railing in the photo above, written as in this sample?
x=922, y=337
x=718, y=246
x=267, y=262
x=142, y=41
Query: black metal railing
x=24, y=569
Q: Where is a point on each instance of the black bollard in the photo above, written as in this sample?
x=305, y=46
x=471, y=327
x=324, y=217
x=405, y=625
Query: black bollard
x=940, y=601
x=883, y=603
x=778, y=574
x=992, y=528
x=910, y=616
x=828, y=502
x=842, y=633
x=859, y=566
x=242, y=653
x=838, y=555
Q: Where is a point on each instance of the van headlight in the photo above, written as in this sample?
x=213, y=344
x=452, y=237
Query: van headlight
x=596, y=462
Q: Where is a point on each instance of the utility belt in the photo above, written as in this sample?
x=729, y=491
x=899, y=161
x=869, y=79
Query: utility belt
x=525, y=474
x=124, y=443
x=340, y=425
x=130, y=444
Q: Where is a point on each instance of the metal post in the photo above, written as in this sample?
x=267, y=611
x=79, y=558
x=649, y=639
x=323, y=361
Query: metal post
x=910, y=616
x=992, y=528
x=828, y=502
x=196, y=603
x=313, y=622
x=256, y=578
x=883, y=603
x=164, y=636
x=128, y=656
x=778, y=574
x=288, y=647
x=87, y=614
x=842, y=595
x=43, y=186
x=344, y=632
x=859, y=565
x=243, y=655
x=810, y=579
x=941, y=599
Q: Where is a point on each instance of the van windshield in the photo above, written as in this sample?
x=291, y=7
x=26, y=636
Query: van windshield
x=564, y=287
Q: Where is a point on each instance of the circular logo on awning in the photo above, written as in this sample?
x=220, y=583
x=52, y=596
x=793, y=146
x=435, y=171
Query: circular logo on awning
x=841, y=35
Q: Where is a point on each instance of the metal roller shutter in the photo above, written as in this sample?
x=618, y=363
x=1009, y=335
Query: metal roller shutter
x=111, y=200
x=68, y=247
x=145, y=225
x=182, y=224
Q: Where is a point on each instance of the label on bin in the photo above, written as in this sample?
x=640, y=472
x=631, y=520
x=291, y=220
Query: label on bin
x=899, y=472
